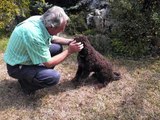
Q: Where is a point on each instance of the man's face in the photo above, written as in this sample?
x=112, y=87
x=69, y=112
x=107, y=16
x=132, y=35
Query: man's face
x=55, y=31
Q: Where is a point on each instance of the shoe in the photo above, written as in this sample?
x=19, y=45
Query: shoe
x=25, y=89
x=28, y=92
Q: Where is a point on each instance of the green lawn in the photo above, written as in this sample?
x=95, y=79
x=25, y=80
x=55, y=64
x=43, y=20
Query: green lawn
x=3, y=43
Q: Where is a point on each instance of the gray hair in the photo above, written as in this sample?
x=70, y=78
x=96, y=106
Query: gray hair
x=54, y=17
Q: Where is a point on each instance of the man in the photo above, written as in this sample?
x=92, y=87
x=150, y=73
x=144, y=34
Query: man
x=34, y=49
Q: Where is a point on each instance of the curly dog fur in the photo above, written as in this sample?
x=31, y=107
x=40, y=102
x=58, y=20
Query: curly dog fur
x=90, y=60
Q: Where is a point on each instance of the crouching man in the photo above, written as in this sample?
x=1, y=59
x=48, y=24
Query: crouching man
x=34, y=49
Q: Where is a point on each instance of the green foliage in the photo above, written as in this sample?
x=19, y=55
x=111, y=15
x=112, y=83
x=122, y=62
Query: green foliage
x=136, y=26
x=11, y=8
x=3, y=44
x=90, y=32
x=7, y=12
x=77, y=24
x=38, y=7
x=3, y=41
x=101, y=43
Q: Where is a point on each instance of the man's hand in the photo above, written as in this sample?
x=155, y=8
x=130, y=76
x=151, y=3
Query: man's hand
x=72, y=48
x=75, y=47
x=69, y=41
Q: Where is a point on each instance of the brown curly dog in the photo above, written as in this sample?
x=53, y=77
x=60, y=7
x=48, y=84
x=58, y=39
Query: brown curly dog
x=90, y=60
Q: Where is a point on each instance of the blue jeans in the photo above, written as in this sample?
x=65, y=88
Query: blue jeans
x=34, y=77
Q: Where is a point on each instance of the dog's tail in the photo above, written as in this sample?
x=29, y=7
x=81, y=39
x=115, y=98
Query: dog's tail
x=116, y=76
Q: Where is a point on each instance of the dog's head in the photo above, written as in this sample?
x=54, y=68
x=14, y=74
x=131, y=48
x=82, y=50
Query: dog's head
x=84, y=40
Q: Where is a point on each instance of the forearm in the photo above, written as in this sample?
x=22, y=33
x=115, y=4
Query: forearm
x=61, y=40
x=72, y=48
x=57, y=59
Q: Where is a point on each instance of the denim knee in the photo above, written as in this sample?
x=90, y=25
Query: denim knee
x=54, y=79
x=48, y=77
x=55, y=49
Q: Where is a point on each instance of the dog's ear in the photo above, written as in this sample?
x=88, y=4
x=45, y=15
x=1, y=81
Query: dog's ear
x=81, y=38
x=84, y=52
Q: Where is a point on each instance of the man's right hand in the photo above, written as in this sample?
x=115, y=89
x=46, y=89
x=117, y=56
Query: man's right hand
x=75, y=47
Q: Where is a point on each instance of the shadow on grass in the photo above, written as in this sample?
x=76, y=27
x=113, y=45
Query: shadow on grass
x=11, y=96
x=65, y=85
x=69, y=85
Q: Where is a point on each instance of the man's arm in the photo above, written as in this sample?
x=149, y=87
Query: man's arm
x=72, y=48
x=61, y=40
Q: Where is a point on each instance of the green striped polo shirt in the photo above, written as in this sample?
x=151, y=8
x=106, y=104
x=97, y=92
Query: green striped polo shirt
x=29, y=43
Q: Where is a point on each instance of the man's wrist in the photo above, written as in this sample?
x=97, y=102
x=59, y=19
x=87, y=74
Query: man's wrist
x=69, y=41
x=69, y=51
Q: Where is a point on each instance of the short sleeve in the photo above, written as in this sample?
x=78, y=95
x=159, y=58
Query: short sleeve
x=37, y=48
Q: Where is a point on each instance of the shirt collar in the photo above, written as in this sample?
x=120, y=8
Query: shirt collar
x=46, y=33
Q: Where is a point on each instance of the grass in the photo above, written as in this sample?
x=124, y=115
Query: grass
x=3, y=43
x=135, y=97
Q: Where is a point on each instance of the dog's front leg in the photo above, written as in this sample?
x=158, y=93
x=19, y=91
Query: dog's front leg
x=85, y=74
x=80, y=77
x=78, y=74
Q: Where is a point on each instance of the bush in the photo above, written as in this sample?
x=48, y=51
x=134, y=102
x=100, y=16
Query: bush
x=77, y=25
x=38, y=7
x=136, y=26
x=10, y=9
x=101, y=43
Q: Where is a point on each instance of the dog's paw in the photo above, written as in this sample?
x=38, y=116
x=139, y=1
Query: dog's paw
x=99, y=86
x=117, y=76
x=75, y=82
